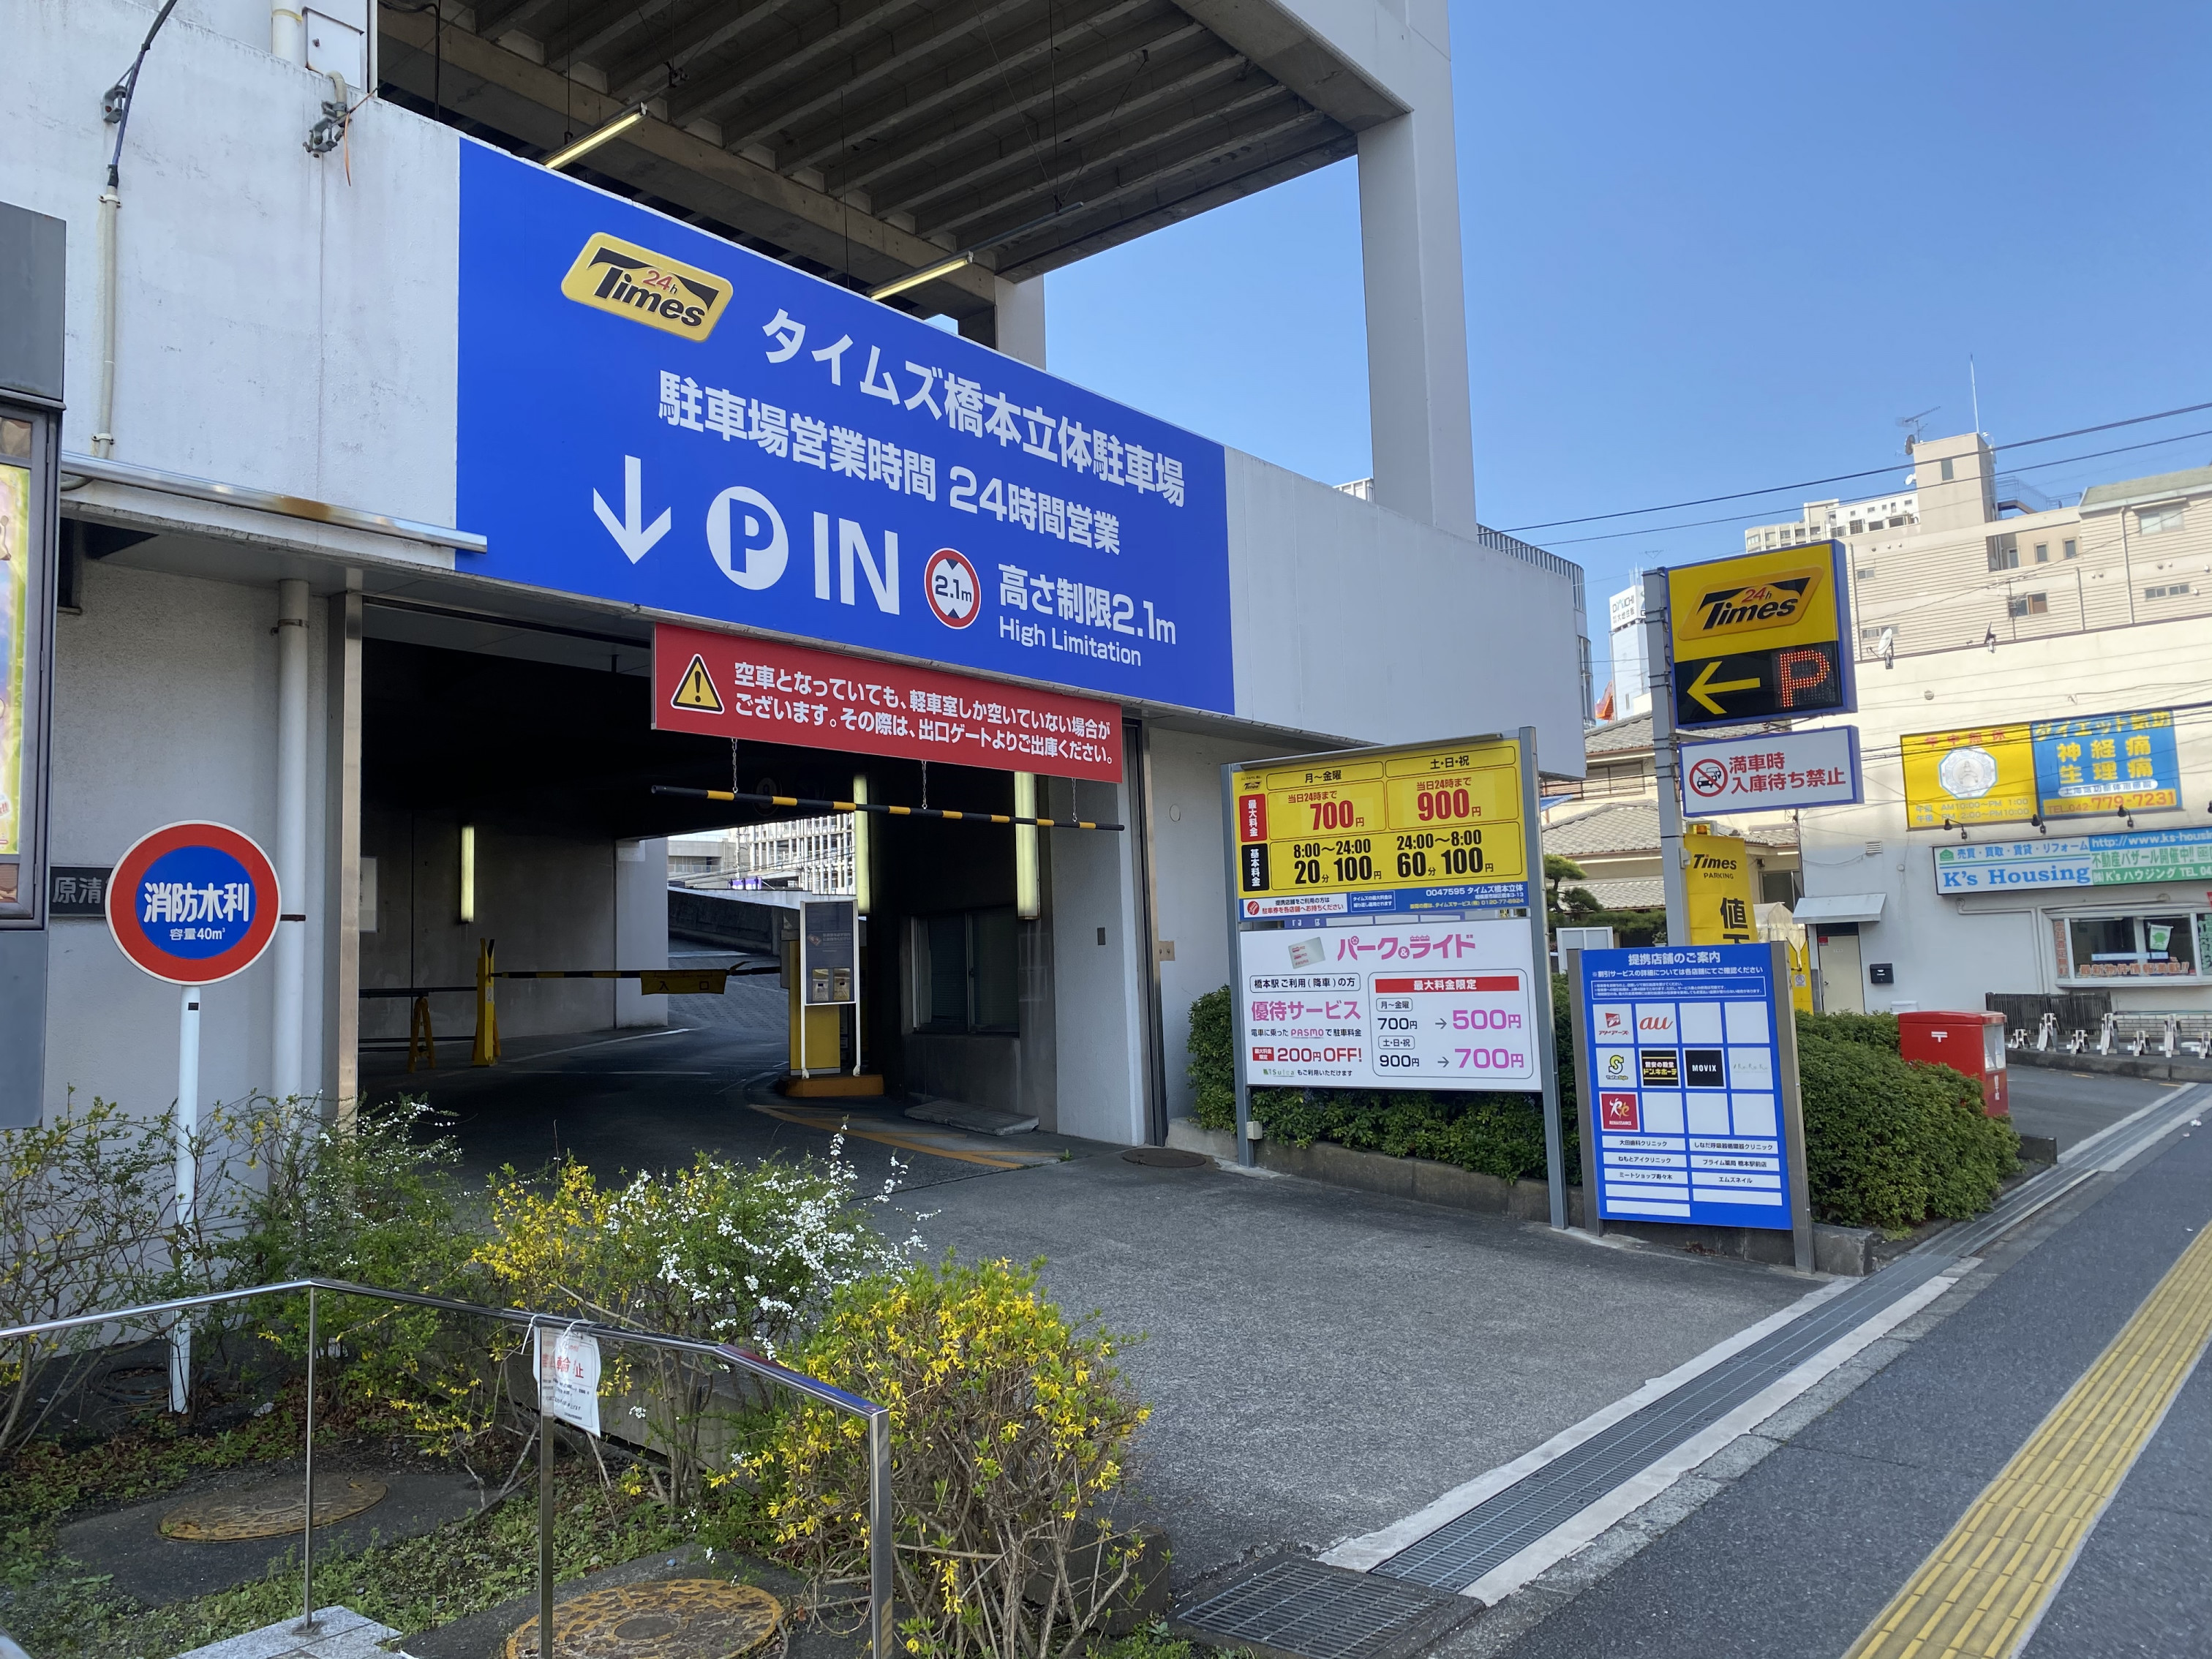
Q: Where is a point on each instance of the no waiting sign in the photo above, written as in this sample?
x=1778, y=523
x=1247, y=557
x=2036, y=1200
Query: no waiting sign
x=1771, y=772
x=192, y=903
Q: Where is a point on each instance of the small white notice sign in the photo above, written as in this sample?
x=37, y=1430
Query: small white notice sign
x=568, y=1377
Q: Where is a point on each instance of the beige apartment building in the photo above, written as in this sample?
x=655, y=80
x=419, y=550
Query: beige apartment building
x=1991, y=613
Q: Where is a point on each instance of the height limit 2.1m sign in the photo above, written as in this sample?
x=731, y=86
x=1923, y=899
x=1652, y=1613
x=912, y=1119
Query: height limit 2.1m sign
x=1761, y=637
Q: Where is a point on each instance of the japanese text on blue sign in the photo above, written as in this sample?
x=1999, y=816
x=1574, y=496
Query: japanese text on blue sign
x=1688, y=1095
x=675, y=422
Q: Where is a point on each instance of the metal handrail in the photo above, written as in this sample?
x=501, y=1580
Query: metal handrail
x=877, y=1417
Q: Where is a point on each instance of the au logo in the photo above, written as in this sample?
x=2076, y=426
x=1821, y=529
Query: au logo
x=649, y=288
x=1775, y=603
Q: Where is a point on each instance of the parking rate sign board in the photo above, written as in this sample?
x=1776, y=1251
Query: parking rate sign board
x=1381, y=832
x=652, y=415
x=1406, y=1006
x=1690, y=1116
x=192, y=903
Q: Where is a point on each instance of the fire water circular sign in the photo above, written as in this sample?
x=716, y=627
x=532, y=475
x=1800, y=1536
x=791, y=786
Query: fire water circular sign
x=192, y=903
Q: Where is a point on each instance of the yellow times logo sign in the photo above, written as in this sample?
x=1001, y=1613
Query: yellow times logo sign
x=648, y=288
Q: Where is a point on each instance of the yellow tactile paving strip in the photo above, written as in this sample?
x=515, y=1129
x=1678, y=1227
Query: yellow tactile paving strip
x=1982, y=1589
x=268, y=1511
x=677, y=1619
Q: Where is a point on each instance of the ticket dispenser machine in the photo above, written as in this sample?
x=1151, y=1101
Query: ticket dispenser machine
x=821, y=956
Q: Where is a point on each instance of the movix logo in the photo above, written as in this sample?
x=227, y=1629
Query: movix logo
x=648, y=288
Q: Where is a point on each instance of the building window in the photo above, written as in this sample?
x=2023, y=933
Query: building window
x=2170, y=591
x=1858, y=526
x=2028, y=605
x=1947, y=469
x=2153, y=947
x=1864, y=573
x=2004, y=554
x=2043, y=552
x=966, y=972
x=2159, y=521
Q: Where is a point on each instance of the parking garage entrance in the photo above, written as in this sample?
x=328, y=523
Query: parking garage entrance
x=521, y=780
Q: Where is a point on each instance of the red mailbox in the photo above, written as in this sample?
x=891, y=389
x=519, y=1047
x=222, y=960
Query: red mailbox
x=1971, y=1042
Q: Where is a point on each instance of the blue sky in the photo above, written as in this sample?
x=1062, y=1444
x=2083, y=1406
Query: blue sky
x=1714, y=248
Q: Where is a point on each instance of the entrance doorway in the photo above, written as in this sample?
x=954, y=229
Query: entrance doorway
x=1843, y=980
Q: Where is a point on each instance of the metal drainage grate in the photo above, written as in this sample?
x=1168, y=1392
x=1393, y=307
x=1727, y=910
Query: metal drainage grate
x=1295, y=1605
x=1457, y=1554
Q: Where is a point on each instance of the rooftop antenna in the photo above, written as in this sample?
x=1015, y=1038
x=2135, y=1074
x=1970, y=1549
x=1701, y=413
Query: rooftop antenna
x=1976, y=386
x=1912, y=424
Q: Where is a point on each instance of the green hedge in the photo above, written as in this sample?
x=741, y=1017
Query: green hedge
x=1889, y=1144
x=1499, y=1134
x=1874, y=1030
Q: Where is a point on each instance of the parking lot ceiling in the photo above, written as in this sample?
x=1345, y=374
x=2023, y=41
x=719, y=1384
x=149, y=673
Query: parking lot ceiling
x=869, y=138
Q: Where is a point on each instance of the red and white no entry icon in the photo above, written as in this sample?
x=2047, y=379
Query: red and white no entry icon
x=950, y=582
x=192, y=903
x=1708, y=779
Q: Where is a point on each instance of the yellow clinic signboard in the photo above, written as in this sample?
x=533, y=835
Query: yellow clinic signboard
x=1761, y=636
x=1427, y=827
x=1984, y=774
x=1716, y=882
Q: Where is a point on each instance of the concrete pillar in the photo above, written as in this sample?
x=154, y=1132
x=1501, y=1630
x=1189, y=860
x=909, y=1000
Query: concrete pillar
x=1015, y=324
x=1021, y=320
x=640, y=926
x=1100, y=1006
x=1416, y=294
x=288, y=1023
x=341, y=1070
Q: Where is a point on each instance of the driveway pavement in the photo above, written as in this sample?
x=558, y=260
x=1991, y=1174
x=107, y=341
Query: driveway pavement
x=1320, y=1362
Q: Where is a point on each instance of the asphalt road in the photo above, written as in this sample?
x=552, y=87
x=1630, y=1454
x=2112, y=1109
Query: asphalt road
x=2074, y=1105
x=1794, y=1557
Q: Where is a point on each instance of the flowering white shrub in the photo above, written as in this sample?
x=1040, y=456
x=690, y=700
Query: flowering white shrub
x=720, y=1252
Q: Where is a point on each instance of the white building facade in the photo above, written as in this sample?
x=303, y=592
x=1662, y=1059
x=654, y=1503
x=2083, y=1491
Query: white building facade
x=1986, y=629
x=289, y=604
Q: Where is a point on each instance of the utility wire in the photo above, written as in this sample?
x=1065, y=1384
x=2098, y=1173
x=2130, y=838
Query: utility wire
x=1738, y=518
x=1845, y=477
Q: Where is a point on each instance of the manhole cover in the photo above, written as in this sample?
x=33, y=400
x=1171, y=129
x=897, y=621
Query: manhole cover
x=269, y=1511
x=1165, y=1158
x=135, y=1385
x=681, y=1619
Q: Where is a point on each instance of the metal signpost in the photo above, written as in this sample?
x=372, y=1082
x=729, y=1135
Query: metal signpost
x=567, y=1392
x=1686, y=1064
x=1760, y=637
x=193, y=904
x=1384, y=925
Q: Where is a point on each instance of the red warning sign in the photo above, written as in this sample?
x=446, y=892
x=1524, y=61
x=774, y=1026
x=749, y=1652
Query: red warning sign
x=725, y=686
